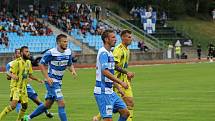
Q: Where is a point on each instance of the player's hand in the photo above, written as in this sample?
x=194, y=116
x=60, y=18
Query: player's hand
x=74, y=74
x=124, y=85
x=121, y=92
x=14, y=77
x=41, y=81
x=50, y=81
x=130, y=75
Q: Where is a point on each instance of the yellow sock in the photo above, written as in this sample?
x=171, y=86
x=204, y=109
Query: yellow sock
x=131, y=111
x=20, y=115
x=99, y=116
x=5, y=111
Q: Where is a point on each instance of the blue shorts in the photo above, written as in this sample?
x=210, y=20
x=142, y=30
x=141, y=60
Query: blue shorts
x=109, y=104
x=54, y=92
x=31, y=92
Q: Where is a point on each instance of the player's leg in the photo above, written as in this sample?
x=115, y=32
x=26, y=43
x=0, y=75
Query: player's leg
x=61, y=110
x=18, y=107
x=40, y=109
x=14, y=98
x=97, y=117
x=130, y=105
x=24, y=103
x=22, y=111
x=120, y=106
x=129, y=101
x=9, y=108
x=34, y=97
x=47, y=105
x=105, y=105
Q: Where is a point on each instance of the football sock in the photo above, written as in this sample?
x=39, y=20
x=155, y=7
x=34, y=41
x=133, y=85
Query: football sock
x=62, y=114
x=5, y=111
x=39, y=110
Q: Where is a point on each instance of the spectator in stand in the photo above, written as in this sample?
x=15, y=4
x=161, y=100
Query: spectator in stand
x=98, y=10
x=164, y=19
x=210, y=52
x=4, y=38
x=142, y=46
x=213, y=14
x=199, y=50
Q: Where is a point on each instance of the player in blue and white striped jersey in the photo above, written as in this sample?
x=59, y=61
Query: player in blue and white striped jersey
x=107, y=100
x=57, y=59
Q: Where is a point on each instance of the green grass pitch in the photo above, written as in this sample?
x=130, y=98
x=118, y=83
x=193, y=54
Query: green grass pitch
x=176, y=92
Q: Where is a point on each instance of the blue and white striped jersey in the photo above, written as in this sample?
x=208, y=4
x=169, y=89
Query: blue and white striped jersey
x=8, y=66
x=57, y=63
x=105, y=60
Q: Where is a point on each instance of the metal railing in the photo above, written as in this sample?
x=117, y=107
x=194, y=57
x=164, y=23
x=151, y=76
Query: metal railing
x=119, y=21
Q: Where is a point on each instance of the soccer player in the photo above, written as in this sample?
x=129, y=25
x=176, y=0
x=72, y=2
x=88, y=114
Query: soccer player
x=31, y=92
x=57, y=60
x=107, y=100
x=20, y=71
x=121, y=57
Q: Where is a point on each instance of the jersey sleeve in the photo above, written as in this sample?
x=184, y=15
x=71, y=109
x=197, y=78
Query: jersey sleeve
x=47, y=57
x=14, y=67
x=30, y=68
x=8, y=68
x=103, y=59
x=117, y=53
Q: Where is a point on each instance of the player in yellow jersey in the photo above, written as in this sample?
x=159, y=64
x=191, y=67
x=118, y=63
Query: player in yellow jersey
x=121, y=57
x=20, y=70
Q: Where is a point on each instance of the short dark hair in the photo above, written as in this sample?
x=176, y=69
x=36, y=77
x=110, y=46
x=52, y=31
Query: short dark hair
x=105, y=34
x=17, y=49
x=125, y=32
x=60, y=36
x=23, y=47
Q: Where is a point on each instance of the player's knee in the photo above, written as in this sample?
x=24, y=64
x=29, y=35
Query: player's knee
x=13, y=106
x=126, y=114
x=61, y=103
x=130, y=104
x=25, y=106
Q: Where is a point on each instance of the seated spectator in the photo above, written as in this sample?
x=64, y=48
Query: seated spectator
x=213, y=14
x=142, y=46
x=4, y=39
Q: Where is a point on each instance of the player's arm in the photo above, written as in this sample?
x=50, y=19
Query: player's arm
x=124, y=71
x=109, y=75
x=43, y=62
x=119, y=89
x=72, y=70
x=71, y=67
x=118, y=54
x=34, y=78
x=104, y=67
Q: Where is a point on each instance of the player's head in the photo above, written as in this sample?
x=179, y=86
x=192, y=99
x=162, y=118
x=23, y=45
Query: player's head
x=17, y=53
x=126, y=37
x=62, y=41
x=25, y=53
x=108, y=37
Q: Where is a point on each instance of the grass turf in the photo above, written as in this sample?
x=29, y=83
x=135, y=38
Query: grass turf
x=177, y=92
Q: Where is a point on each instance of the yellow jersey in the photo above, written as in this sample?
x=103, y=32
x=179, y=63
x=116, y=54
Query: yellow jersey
x=22, y=69
x=121, y=56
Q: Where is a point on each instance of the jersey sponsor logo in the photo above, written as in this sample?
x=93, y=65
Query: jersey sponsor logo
x=109, y=109
x=59, y=63
x=58, y=93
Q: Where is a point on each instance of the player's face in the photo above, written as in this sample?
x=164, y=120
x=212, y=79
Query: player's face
x=127, y=38
x=17, y=54
x=111, y=39
x=25, y=54
x=63, y=43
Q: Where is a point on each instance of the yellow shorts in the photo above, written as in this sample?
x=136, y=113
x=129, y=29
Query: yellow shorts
x=128, y=92
x=19, y=95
